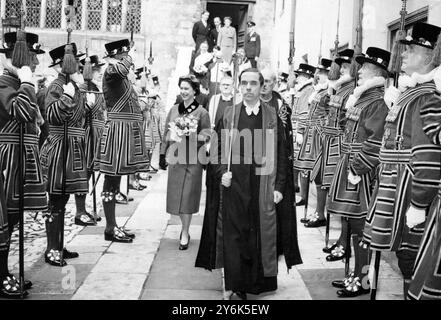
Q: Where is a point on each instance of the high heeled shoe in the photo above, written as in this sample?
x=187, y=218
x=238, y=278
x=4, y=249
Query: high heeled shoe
x=184, y=247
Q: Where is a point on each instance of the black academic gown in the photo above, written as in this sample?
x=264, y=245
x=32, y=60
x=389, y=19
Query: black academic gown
x=210, y=248
x=287, y=241
x=244, y=271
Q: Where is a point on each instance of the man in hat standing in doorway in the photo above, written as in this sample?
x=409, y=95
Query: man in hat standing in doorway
x=252, y=44
x=18, y=106
x=123, y=148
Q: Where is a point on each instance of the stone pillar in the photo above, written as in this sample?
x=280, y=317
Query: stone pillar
x=84, y=15
x=63, y=16
x=2, y=8
x=125, y=12
x=104, y=15
x=43, y=13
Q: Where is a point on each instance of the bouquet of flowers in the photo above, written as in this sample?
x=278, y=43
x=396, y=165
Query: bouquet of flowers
x=183, y=126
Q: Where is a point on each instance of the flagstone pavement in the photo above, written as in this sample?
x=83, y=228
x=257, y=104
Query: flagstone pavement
x=152, y=268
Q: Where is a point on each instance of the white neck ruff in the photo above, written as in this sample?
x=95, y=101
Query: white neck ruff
x=369, y=84
x=405, y=81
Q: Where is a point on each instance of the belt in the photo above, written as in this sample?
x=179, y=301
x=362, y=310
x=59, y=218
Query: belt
x=395, y=156
x=71, y=131
x=330, y=131
x=124, y=117
x=14, y=138
x=348, y=148
x=97, y=123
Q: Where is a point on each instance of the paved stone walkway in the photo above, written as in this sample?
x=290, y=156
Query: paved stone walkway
x=153, y=268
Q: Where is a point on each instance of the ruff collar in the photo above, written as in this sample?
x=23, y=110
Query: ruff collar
x=405, y=81
x=317, y=88
x=299, y=87
x=358, y=92
x=340, y=82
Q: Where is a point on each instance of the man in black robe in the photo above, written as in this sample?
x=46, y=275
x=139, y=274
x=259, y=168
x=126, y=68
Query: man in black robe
x=253, y=186
x=210, y=248
x=287, y=242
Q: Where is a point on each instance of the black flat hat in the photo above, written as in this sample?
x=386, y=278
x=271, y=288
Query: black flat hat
x=345, y=56
x=139, y=71
x=57, y=54
x=376, y=56
x=94, y=60
x=251, y=24
x=283, y=76
x=116, y=47
x=306, y=69
x=10, y=39
x=424, y=35
x=325, y=65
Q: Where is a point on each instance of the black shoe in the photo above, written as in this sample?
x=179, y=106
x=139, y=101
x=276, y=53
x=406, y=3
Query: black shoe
x=316, y=224
x=184, y=247
x=337, y=254
x=10, y=288
x=96, y=218
x=328, y=250
x=353, y=290
x=85, y=220
x=127, y=232
x=239, y=296
x=117, y=236
x=121, y=198
x=341, y=284
x=54, y=259
x=70, y=255
x=137, y=186
x=301, y=203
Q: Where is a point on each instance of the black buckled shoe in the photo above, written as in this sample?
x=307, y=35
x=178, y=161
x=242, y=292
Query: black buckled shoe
x=10, y=288
x=127, y=232
x=301, y=203
x=53, y=258
x=338, y=254
x=341, y=284
x=137, y=186
x=85, y=220
x=69, y=254
x=353, y=290
x=96, y=218
x=328, y=250
x=316, y=223
x=117, y=236
x=121, y=198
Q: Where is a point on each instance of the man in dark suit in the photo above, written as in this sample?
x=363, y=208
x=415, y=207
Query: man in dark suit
x=214, y=33
x=252, y=44
x=201, y=30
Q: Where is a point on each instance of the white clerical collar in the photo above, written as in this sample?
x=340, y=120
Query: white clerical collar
x=252, y=110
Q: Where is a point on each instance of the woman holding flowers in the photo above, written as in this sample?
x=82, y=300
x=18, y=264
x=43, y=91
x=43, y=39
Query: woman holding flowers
x=186, y=133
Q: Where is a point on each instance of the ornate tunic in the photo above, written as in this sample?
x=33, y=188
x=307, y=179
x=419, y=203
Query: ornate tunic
x=333, y=131
x=18, y=104
x=62, y=109
x=360, y=148
x=426, y=282
x=123, y=149
x=300, y=111
x=409, y=173
x=95, y=122
x=310, y=154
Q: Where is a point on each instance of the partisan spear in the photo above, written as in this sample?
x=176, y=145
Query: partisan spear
x=334, y=73
x=69, y=67
x=20, y=58
x=395, y=68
